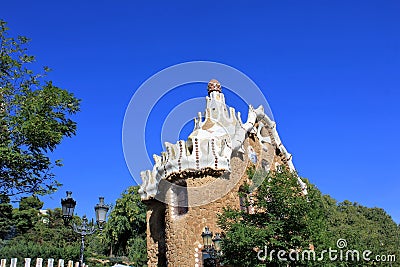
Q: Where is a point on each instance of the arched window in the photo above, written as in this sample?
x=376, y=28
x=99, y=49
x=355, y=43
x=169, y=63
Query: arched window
x=181, y=199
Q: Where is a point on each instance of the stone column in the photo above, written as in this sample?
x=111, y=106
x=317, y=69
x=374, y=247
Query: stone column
x=27, y=262
x=3, y=263
x=50, y=262
x=39, y=262
x=13, y=262
x=60, y=263
x=70, y=264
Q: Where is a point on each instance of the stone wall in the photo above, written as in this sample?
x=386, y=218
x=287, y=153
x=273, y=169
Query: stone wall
x=175, y=240
x=156, y=246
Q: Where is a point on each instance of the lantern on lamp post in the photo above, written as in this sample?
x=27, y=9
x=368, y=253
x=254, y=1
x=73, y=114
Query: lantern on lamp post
x=217, y=240
x=101, y=210
x=207, y=237
x=68, y=206
x=212, y=248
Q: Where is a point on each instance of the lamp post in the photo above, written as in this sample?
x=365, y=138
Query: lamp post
x=212, y=248
x=68, y=206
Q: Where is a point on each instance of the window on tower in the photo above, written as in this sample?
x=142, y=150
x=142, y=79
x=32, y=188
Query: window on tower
x=181, y=199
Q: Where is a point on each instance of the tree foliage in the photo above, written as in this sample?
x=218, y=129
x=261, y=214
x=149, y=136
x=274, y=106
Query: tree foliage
x=6, y=221
x=279, y=221
x=286, y=219
x=34, y=234
x=26, y=216
x=364, y=228
x=34, y=116
x=39, y=235
x=125, y=231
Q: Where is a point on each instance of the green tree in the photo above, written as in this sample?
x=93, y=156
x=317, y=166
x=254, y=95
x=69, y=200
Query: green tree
x=285, y=219
x=125, y=231
x=123, y=239
x=280, y=220
x=363, y=229
x=6, y=221
x=44, y=236
x=27, y=215
x=35, y=117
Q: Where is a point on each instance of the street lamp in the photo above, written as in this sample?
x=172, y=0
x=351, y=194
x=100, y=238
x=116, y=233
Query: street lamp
x=217, y=240
x=207, y=237
x=212, y=248
x=68, y=205
x=101, y=210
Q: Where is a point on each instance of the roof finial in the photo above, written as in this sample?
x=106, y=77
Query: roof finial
x=214, y=85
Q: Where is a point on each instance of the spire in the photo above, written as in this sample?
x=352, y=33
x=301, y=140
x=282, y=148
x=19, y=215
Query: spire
x=214, y=85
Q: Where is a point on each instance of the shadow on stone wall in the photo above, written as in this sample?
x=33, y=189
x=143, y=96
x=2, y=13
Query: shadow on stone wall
x=157, y=230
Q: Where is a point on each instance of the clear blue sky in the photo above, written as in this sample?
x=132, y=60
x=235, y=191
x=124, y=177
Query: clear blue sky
x=330, y=71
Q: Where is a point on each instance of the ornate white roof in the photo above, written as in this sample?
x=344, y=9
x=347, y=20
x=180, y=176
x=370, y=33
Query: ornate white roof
x=215, y=138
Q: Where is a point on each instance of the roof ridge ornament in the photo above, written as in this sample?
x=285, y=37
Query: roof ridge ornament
x=214, y=85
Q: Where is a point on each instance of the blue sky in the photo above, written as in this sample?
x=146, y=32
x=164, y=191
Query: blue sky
x=329, y=70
